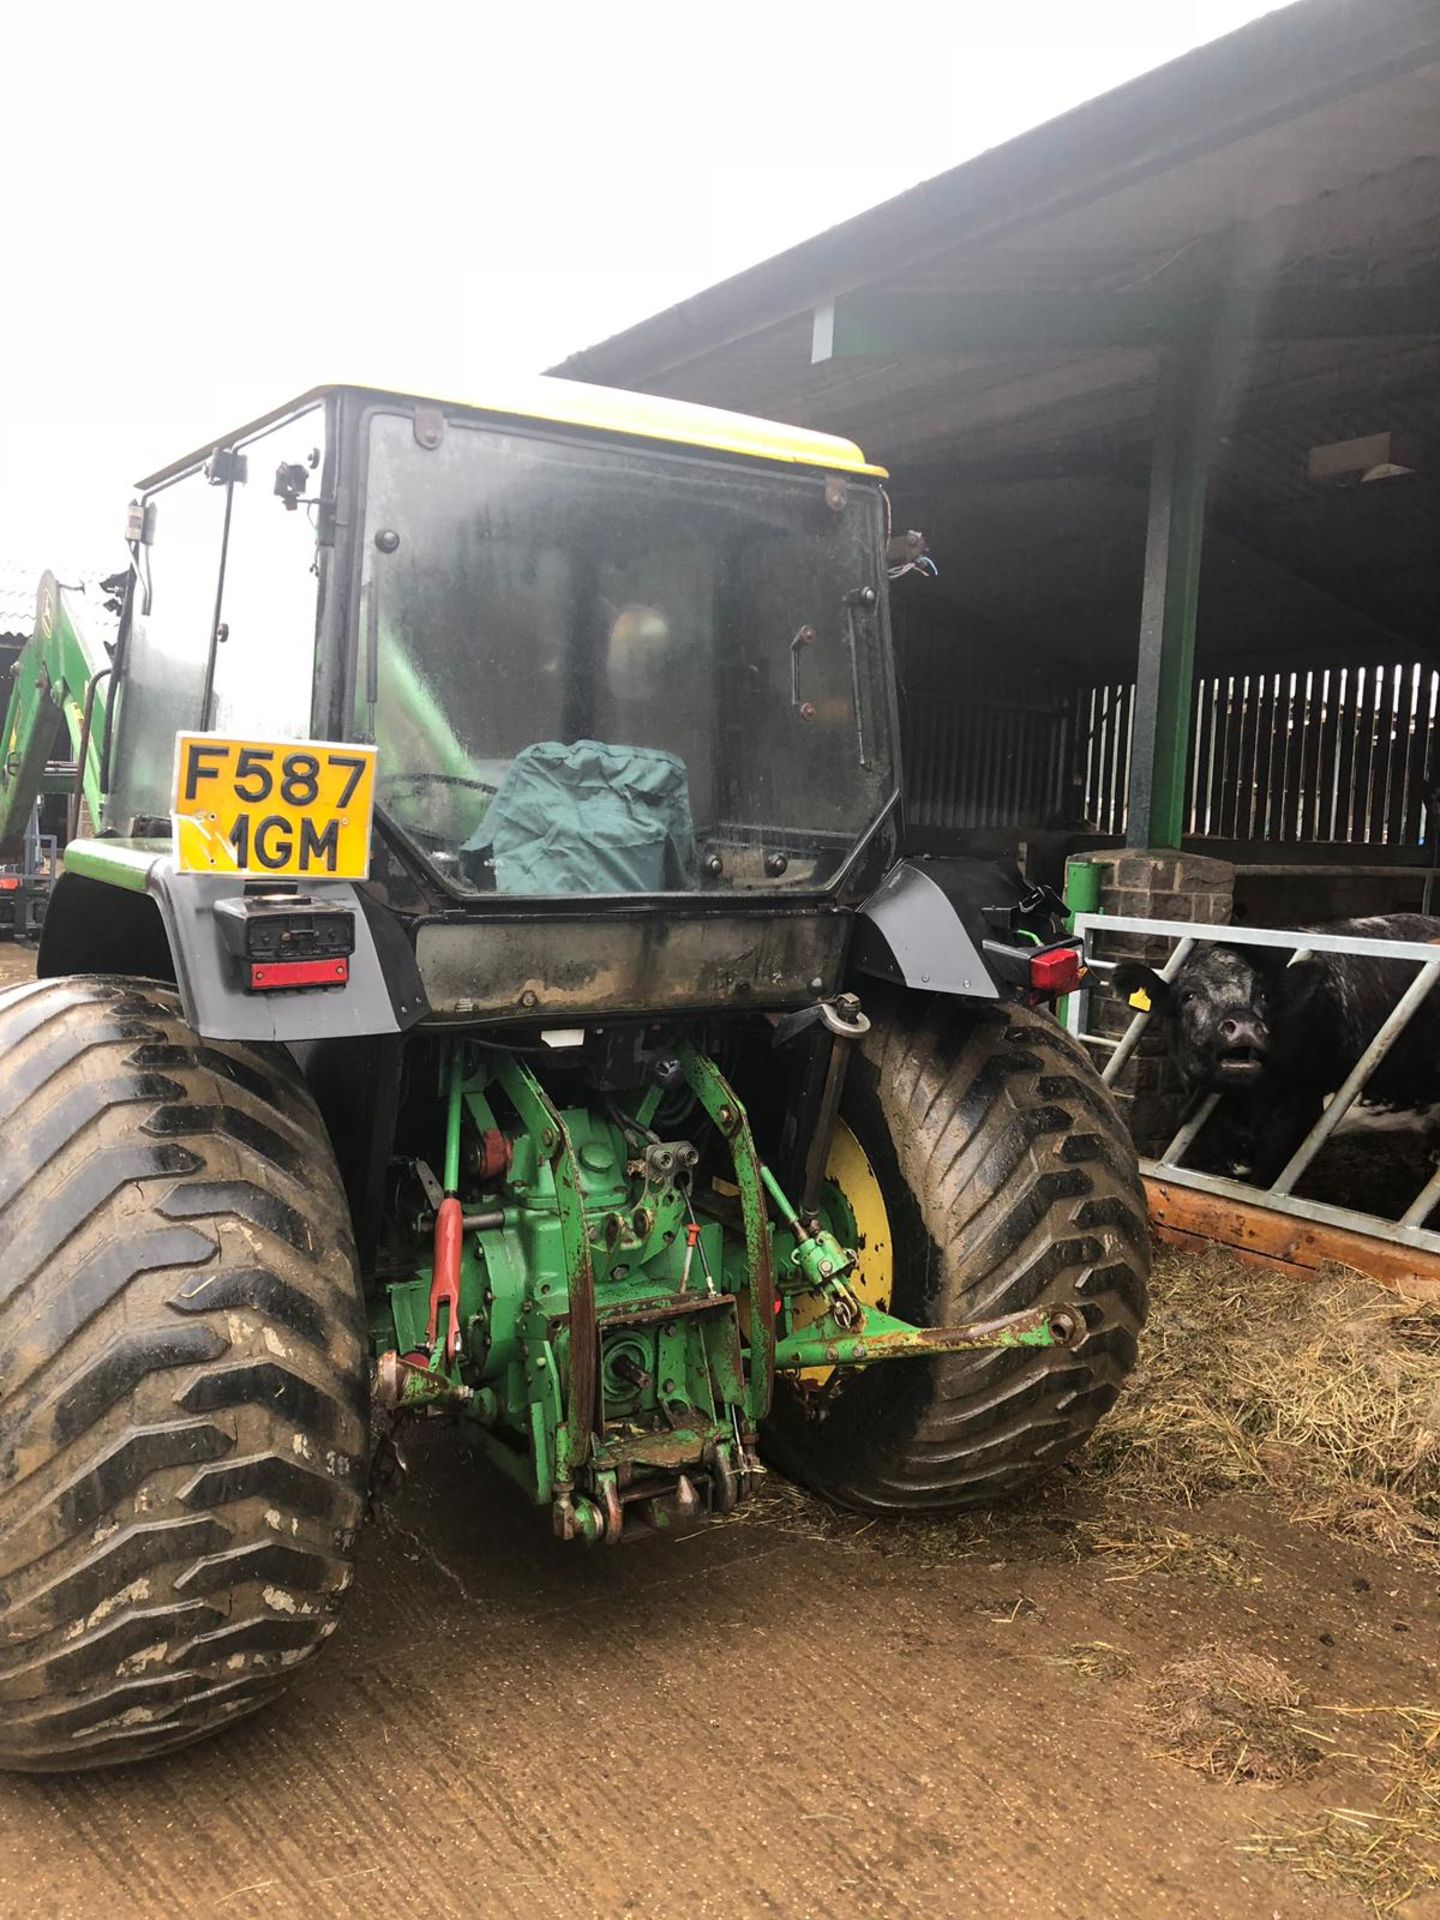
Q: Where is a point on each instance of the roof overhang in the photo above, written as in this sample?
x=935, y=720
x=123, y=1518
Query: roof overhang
x=1267, y=207
x=1237, y=131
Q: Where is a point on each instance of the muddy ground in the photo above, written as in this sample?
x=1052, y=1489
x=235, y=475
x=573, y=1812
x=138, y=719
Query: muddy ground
x=791, y=1714
x=17, y=963
x=761, y=1719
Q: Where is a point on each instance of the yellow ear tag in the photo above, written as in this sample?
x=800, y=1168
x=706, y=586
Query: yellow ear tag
x=1140, y=999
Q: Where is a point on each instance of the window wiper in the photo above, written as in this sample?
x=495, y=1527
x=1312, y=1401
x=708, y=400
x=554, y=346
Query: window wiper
x=856, y=598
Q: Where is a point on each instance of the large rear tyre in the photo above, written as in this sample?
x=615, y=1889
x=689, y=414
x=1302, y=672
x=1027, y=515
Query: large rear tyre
x=182, y=1383
x=982, y=1148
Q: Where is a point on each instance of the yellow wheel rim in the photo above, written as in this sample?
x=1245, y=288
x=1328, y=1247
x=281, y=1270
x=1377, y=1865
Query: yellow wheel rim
x=849, y=1172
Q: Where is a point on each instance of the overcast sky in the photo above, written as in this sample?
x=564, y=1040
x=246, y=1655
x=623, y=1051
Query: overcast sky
x=208, y=208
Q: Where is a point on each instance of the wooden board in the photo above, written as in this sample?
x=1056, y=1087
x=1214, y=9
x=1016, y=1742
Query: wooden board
x=1259, y=1236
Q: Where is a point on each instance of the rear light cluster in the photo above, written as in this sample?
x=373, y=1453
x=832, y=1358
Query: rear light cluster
x=287, y=943
x=1057, y=969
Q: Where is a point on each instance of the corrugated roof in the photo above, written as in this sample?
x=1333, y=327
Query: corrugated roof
x=17, y=601
x=1304, y=149
x=19, y=586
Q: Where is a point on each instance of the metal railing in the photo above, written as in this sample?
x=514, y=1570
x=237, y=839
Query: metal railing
x=1280, y=1195
x=1343, y=754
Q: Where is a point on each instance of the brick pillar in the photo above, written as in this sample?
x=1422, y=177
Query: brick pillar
x=1164, y=885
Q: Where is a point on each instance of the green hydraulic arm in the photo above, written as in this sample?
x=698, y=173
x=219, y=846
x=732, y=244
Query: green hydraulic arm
x=57, y=692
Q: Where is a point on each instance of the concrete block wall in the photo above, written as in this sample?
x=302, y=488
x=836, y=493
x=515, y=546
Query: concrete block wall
x=1161, y=885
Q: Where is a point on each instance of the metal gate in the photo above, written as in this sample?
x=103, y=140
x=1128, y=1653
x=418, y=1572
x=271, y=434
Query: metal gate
x=1409, y=1230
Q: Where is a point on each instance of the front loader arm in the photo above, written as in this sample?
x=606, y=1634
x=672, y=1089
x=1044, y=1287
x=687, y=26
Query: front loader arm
x=60, y=670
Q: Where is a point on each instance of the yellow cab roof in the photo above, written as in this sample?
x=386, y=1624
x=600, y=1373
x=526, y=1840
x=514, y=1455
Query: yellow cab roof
x=571, y=403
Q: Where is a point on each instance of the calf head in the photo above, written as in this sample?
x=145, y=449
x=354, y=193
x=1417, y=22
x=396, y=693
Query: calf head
x=1217, y=1014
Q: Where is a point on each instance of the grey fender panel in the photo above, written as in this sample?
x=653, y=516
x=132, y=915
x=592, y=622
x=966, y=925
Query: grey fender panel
x=913, y=930
x=381, y=996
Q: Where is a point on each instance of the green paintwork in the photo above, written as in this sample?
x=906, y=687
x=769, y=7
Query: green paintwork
x=1174, y=539
x=778, y=1195
x=754, y=1282
x=1082, y=895
x=558, y=1190
x=47, y=705
x=119, y=863
x=1082, y=889
x=818, y=1262
x=602, y=1357
x=584, y=1240
x=455, y=1104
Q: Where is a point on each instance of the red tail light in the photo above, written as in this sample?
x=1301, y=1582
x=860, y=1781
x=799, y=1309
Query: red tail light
x=271, y=976
x=1057, y=969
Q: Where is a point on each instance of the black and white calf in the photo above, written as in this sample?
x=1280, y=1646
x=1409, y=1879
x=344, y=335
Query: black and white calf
x=1280, y=1035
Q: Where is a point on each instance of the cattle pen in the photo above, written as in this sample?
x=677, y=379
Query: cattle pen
x=1360, y=1235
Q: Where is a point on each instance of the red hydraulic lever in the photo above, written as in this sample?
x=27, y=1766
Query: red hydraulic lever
x=445, y=1274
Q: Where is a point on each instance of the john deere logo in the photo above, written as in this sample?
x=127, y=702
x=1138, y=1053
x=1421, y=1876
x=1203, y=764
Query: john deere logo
x=47, y=613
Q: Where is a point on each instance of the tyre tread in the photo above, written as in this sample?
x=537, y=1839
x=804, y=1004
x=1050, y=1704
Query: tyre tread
x=182, y=1418
x=1018, y=1168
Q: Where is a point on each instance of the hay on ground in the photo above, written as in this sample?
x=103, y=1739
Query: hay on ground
x=1095, y=1660
x=1326, y=1391
x=1235, y=1714
x=1138, y=1547
x=1386, y=1854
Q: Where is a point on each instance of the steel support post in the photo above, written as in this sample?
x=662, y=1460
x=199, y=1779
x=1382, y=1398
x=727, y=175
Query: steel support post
x=1174, y=534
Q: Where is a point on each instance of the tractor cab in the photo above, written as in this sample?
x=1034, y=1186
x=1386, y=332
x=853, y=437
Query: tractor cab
x=595, y=658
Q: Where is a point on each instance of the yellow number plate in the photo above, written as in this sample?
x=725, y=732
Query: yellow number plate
x=273, y=809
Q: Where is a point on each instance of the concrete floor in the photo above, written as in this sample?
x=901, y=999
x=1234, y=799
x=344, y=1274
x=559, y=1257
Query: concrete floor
x=758, y=1719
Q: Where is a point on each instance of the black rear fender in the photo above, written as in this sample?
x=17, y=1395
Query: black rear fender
x=954, y=926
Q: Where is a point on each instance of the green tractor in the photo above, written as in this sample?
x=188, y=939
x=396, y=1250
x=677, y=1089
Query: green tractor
x=485, y=980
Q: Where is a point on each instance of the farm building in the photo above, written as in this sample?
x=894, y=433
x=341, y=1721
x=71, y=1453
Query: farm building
x=1158, y=382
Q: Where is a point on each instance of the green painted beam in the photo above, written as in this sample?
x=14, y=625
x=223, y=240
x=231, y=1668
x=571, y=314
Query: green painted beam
x=119, y=863
x=1174, y=537
x=873, y=322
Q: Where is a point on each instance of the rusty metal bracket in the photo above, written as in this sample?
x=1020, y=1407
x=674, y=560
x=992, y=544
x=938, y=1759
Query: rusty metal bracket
x=402, y=1382
x=880, y=1337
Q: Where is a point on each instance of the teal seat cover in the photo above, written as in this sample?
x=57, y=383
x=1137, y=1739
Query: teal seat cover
x=590, y=818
